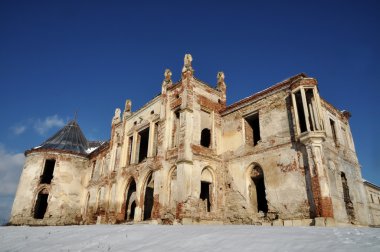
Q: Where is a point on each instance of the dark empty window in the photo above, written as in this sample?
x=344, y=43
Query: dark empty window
x=144, y=142
x=205, y=194
x=252, y=129
x=155, y=140
x=175, y=131
x=257, y=176
x=310, y=108
x=148, y=200
x=41, y=205
x=47, y=175
x=130, y=144
x=333, y=132
x=206, y=138
x=301, y=112
x=372, y=199
x=130, y=204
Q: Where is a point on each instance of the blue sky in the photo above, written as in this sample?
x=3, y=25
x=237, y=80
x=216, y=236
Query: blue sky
x=62, y=57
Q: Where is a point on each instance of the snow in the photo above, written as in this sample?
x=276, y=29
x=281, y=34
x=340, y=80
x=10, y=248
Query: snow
x=188, y=238
x=89, y=150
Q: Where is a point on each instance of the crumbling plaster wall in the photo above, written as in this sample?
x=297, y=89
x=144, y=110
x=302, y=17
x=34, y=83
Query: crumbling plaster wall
x=276, y=154
x=339, y=156
x=373, y=196
x=65, y=190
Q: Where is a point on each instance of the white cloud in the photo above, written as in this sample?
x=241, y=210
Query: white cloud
x=10, y=170
x=18, y=129
x=42, y=126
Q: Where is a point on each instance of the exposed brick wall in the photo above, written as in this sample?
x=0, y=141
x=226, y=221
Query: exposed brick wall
x=156, y=207
x=323, y=205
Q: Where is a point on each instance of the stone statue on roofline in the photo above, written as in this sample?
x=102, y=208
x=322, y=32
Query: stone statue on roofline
x=128, y=106
x=116, y=117
x=168, y=76
x=220, y=77
x=221, y=85
x=187, y=63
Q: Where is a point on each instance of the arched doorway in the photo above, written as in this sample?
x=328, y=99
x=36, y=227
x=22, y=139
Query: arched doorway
x=206, y=192
x=41, y=204
x=130, y=203
x=257, y=189
x=148, y=198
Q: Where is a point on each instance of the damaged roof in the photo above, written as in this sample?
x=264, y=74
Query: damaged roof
x=70, y=138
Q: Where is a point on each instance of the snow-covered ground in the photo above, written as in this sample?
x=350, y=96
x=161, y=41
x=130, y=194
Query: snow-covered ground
x=188, y=238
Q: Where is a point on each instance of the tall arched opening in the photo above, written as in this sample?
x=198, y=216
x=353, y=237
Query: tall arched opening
x=41, y=204
x=148, y=198
x=130, y=203
x=257, y=189
x=206, y=193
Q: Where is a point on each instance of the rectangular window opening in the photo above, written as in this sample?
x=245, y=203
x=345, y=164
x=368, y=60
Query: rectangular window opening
x=155, y=141
x=175, y=131
x=143, y=145
x=252, y=129
x=311, y=109
x=301, y=112
x=47, y=175
x=130, y=144
x=333, y=132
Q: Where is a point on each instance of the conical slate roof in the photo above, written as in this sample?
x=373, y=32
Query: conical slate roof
x=69, y=138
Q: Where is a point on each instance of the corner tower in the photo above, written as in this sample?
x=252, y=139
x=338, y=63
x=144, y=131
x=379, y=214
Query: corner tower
x=50, y=187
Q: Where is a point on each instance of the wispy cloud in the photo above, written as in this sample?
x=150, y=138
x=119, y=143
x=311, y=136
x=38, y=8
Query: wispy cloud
x=18, y=129
x=42, y=126
x=10, y=170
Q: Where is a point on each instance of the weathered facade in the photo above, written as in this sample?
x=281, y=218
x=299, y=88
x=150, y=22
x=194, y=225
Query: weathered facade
x=373, y=194
x=283, y=156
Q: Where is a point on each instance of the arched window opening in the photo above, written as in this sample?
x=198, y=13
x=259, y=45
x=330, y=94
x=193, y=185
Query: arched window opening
x=41, y=204
x=206, y=189
x=206, y=138
x=347, y=200
x=130, y=204
x=257, y=189
x=47, y=175
x=148, y=199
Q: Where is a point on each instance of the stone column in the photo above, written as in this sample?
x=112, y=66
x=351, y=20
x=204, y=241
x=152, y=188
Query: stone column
x=305, y=109
x=320, y=185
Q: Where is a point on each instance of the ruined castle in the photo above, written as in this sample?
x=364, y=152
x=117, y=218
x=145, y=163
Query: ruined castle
x=282, y=156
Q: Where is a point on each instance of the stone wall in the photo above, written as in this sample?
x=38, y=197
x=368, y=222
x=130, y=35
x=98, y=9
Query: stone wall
x=64, y=191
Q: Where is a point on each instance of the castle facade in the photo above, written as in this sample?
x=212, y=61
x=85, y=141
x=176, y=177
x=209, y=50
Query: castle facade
x=282, y=156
